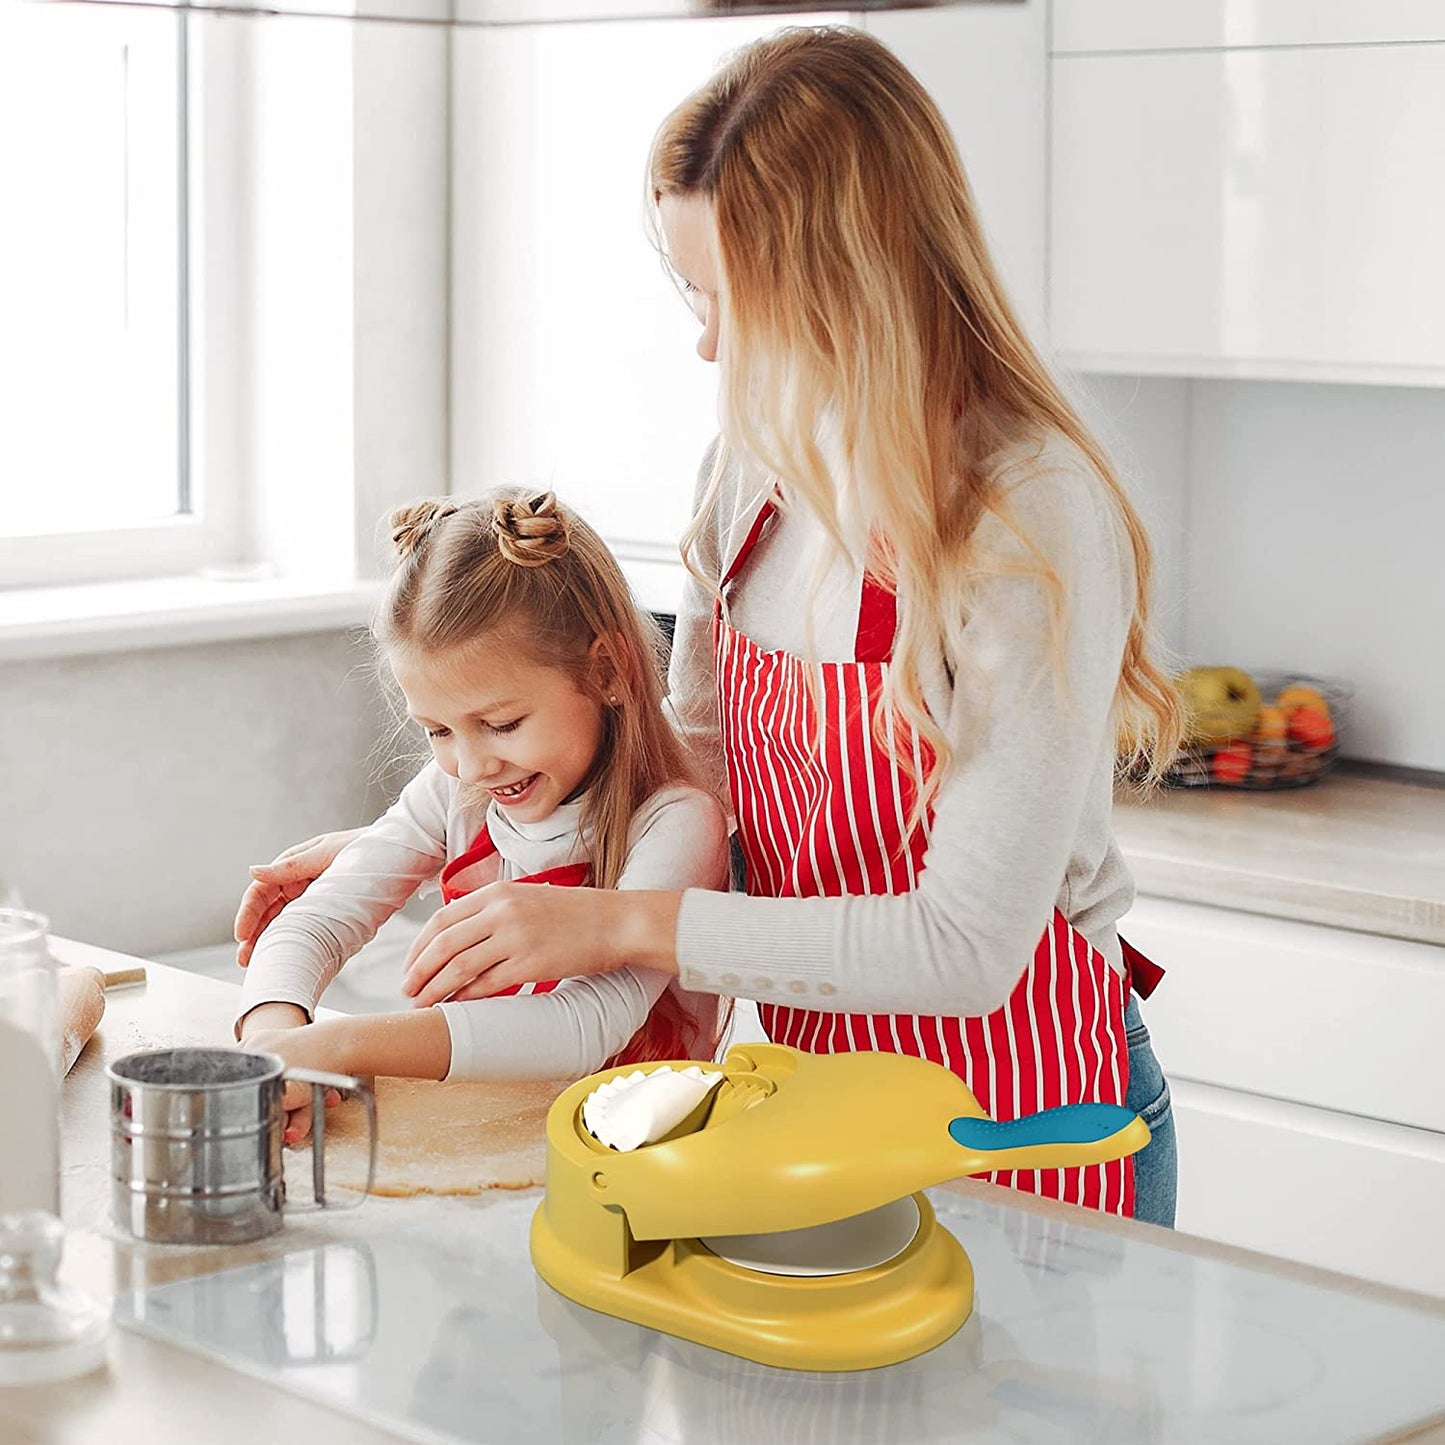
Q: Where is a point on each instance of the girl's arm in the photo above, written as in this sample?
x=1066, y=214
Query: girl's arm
x=304, y=947
x=402, y=1045
x=680, y=841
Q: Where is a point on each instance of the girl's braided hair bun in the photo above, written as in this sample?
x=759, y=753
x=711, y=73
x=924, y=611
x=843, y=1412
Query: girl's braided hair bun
x=412, y=525
x=531, y=531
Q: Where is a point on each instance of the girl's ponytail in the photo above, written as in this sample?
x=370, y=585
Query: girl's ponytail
x=531, y=532
x=412, y=525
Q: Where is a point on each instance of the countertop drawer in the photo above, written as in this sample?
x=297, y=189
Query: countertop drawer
x=1344, y=1194
x=1320, y=1016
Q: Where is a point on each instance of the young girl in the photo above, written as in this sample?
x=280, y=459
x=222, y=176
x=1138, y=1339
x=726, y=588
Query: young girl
x=915, y=640
x=510, y=631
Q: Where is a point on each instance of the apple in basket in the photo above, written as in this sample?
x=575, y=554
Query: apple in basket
x=1221, y=703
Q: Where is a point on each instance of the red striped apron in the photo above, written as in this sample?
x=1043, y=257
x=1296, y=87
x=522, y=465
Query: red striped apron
x=824, y=812
x=456, y=884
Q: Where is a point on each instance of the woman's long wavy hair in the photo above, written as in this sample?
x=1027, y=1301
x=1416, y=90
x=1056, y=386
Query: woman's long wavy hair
x=523, y=565
x=862, y=320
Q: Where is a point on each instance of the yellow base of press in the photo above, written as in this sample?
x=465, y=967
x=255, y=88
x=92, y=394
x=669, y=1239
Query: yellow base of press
x=790, y=1141
x=855, y=1321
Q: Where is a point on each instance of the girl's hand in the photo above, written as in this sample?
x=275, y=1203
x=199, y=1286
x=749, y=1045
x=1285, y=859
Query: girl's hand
x=275, y=884
x=511, y=933
x=312, y=1046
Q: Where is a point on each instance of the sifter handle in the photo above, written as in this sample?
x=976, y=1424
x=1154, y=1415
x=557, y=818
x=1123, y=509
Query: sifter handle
x=320, y=1082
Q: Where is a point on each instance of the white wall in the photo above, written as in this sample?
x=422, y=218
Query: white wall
x=1299, y=527
x=137, y=786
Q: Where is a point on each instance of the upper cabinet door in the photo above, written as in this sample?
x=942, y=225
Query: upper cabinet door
x=987, y=67
x=1092, y=25
x=1269, y=212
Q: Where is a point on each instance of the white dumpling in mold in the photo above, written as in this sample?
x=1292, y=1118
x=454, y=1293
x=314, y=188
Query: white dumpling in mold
x=639, y=1108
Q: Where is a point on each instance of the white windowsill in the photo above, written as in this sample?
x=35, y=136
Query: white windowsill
x=45, y=622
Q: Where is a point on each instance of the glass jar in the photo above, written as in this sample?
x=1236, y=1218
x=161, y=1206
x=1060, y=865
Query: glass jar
x=47, y=1331
x=29, y=1066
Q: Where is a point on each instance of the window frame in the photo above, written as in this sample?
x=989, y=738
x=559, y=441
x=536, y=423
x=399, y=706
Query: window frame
x=206, y=532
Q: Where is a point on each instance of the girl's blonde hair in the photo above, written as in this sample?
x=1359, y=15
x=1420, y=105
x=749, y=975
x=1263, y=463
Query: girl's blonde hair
x=521, y=562
x=860, y=307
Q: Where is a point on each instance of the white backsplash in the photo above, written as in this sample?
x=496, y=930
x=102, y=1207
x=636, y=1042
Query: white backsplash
x=1299, y=526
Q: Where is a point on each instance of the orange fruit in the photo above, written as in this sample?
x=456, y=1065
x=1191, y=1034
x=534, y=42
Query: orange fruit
x=1273, y=725
x=1311, y=728
x=1232, y=764
x=1299, y=695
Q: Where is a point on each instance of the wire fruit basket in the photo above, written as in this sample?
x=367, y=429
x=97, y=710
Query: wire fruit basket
x=1294, y=741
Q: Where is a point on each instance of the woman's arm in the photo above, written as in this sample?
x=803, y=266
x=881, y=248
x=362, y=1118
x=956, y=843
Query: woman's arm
x=1033, y=746
x=679, y=841
x=304, y=947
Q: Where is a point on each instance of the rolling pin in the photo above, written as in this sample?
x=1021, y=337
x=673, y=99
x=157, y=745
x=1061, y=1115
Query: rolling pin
x=82, y=1002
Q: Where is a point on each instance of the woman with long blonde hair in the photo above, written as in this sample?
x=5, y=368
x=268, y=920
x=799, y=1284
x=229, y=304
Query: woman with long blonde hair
x=914, y=648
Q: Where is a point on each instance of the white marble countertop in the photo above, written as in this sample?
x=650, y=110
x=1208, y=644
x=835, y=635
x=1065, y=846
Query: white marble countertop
x=423, y=1319
x=1354, y=850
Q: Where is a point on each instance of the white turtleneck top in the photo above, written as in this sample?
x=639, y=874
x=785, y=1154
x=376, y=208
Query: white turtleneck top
x=679, y=840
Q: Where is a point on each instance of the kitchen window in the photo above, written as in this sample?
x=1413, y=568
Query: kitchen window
x=176, y=283
x=94, y=435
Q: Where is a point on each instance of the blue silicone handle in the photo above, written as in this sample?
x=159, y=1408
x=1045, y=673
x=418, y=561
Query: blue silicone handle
x=1068, y=1124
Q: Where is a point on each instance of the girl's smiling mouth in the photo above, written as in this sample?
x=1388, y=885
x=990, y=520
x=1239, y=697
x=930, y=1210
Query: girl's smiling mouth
x=515, y=792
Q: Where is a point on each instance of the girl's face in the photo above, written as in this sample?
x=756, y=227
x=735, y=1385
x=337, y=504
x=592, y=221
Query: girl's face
x=690, y=233
x=496, y=719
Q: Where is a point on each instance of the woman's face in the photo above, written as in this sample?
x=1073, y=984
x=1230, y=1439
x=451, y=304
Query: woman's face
x=690, y=234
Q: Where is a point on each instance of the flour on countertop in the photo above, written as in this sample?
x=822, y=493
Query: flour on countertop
x=457, y=1139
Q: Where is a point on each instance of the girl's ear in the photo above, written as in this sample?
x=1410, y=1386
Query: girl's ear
x=611, y=665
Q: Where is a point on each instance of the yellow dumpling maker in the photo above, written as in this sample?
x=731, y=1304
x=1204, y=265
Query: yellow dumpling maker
x=788, y=1141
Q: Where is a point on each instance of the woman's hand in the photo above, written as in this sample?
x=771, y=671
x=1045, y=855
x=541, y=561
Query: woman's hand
x=511, y=933
x=321, y=1046
x=275, y=884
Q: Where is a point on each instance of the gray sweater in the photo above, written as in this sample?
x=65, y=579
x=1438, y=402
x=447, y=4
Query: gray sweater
x=1021, y=825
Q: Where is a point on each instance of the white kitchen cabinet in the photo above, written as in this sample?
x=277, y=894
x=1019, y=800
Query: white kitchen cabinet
x=1309, y=1087
x=1319, y=1016
x=986, y=66
x=1326, y=1189
x=1094, y=25
x=1250, y=211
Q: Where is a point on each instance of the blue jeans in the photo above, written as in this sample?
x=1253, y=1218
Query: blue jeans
x=1156, y=1165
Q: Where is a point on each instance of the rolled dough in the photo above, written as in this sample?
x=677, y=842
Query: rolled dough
x=443, y=1138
